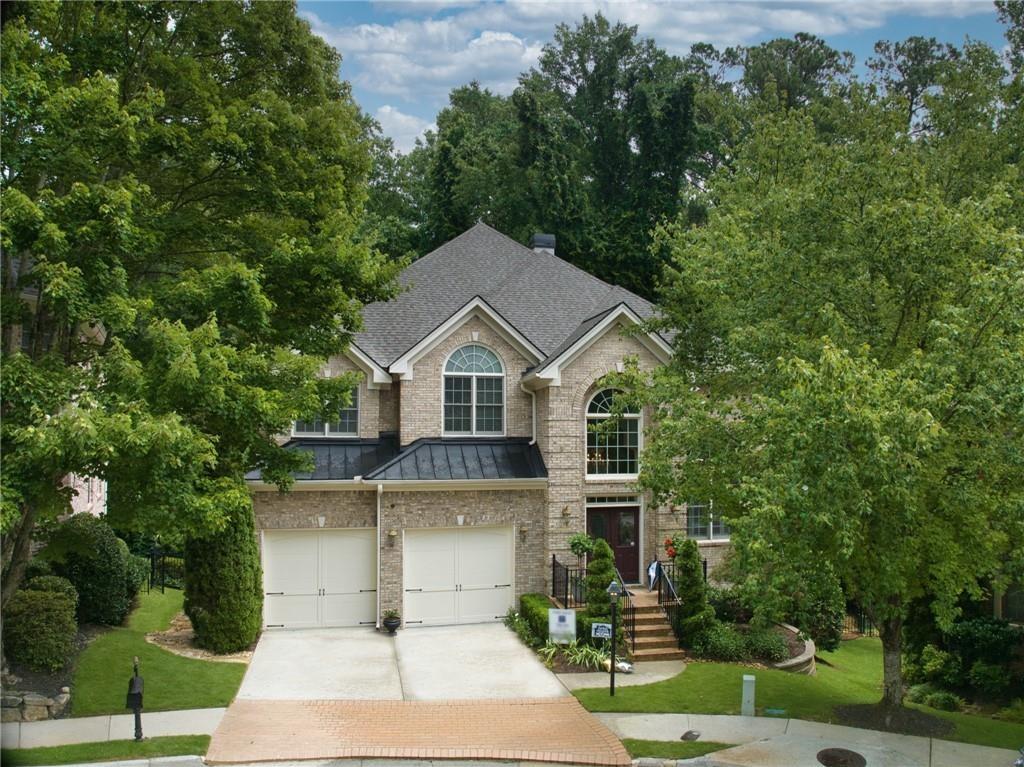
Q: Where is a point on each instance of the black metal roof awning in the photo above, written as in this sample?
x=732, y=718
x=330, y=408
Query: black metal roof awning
x=428, y=459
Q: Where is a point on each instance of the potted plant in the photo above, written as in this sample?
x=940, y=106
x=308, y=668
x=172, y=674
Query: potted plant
x=392, y=620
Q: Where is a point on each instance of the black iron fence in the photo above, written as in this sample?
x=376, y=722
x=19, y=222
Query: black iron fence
x=568, y=583
x=665, y=580
x=858, y=622
x=166, y=568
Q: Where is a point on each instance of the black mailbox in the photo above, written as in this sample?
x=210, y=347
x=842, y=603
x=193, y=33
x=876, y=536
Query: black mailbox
x=134, y=700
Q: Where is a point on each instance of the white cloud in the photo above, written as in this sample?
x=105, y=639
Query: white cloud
x=402, y=128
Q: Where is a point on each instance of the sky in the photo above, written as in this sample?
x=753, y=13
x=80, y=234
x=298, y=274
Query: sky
x=403, y=58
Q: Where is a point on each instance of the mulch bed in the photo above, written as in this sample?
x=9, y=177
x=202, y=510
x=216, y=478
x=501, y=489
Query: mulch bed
x=562, y=666
x=179, y=639
x=906, y=721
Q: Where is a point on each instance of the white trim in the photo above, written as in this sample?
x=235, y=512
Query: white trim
x=638, y=417
x=377, y=377
x=476, y=307
x=472, y=394
x=551, y=373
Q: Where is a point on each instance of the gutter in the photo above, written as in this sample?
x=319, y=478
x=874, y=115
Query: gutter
x=380, y=492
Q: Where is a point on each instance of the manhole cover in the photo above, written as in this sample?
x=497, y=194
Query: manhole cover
x=841, y=757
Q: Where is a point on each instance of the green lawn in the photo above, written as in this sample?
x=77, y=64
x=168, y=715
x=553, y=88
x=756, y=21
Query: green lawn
x=854, y=676
x=171, y=682
x=670, y=749
x=175, y=745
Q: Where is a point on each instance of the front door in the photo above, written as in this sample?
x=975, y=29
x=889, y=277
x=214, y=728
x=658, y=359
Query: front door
x=618, y=525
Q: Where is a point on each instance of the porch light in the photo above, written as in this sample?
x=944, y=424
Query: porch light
x=392, y=534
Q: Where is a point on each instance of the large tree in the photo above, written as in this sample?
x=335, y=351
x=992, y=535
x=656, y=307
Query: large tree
x=847, y=377
x=182, y=185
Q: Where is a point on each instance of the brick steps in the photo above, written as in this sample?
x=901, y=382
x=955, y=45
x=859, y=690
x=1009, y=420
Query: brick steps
x=654, y=637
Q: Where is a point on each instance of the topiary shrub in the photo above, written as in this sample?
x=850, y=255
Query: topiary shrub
x=534, y=609
x=223, y=583
x=89, y=555
x=694, y=616
x=600, y=574
x=53, y=583
x=39, y=629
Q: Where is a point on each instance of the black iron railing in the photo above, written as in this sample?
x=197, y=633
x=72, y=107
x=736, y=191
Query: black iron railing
x=666, y=581
x=627, y=612
x=568, y=583
x=166, y=568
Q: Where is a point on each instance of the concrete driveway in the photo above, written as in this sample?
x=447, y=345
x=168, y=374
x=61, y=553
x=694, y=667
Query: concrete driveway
x=435, y=663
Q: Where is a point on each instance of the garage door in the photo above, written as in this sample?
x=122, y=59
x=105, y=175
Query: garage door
x=462, y=575
x=317, y=578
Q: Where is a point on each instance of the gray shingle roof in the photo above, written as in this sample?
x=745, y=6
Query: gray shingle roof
x=545, y=298
x=433, y=459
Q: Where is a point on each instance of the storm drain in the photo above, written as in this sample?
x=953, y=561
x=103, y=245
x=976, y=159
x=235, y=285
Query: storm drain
x=841, y=757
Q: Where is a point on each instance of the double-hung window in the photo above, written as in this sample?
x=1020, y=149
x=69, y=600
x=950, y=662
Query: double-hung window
x=613, y=449
x=346, y=425
x=474, y=393
x=703, y=524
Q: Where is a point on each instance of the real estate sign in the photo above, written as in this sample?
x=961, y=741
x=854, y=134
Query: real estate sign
x=601, y=630
x=561, y=626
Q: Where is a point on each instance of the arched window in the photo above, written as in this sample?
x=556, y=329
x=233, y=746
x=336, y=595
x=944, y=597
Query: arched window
x=474, y=392
x=613, y=450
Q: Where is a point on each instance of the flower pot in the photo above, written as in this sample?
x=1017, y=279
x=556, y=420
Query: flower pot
x=392, y=624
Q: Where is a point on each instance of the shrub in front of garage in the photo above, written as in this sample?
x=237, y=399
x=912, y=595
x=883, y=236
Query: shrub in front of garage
x=534, y=610
x=224, y=585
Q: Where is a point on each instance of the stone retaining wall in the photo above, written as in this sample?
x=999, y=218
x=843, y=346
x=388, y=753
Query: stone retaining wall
x=33, y=707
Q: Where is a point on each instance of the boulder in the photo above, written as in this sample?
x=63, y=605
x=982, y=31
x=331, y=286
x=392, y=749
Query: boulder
x=35, y=713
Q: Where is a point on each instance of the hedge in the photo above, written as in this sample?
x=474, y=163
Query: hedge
x=534, y=609
x=136, y=574
x=223, y=584
x=96, y=562
x=55, y=584
x=39, y=629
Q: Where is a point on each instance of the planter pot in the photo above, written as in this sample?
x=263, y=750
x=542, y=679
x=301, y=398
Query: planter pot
x=391, y=624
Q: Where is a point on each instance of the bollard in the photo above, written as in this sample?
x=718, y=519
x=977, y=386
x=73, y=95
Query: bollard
x=747, y=706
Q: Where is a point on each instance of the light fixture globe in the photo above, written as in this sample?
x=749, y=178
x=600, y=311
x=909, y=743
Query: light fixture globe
x=614, y=590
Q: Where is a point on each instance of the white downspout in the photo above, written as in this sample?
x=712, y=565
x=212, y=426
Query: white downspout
x=533, y=398
x=380, y=492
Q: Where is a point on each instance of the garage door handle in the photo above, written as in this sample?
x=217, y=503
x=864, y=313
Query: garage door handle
x=502, y=585
x=413, y=590
x=275, y=593
x=367, y=591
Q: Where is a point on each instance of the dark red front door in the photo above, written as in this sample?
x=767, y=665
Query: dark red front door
x=618, y=525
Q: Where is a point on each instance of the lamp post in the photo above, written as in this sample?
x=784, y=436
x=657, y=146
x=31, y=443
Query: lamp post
x=614, y=592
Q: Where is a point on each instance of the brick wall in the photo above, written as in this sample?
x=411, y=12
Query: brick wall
x=562, y=438
x=420, y=400
x=298, y=509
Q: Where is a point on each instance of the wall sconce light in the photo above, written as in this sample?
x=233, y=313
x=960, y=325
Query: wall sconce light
x=459, y=519
x=522, y=532
x=620, y=367
x=392, y=534
x=321, y=520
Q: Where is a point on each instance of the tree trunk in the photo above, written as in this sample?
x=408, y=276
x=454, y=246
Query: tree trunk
x=891, y=632
x=17, y=550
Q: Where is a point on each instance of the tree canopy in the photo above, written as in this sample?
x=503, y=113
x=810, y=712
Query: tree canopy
x=182, y=187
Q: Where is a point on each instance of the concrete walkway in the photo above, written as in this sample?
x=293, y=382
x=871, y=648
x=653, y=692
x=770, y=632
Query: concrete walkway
x=770, y=742
x=643, y=673
x=94, y=729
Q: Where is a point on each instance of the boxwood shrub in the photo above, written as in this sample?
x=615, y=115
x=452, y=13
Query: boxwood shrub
x=720, y=641
x=136, y=574
x=39, y=629
x=534, y=609
x=96, y=562
x=53, y=583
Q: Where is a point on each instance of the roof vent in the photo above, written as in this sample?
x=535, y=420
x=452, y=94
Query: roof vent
x=543, y=243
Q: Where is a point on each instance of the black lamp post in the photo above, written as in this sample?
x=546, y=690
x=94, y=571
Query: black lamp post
x=134, y=700
x=614, y=591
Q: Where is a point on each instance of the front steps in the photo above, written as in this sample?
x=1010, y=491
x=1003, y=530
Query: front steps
x=655, y=639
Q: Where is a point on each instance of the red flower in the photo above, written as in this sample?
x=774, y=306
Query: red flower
x=668, y=543
x=671, y=552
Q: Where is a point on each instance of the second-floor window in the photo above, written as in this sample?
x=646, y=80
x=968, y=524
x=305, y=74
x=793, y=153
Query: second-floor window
x=474, y=392
x=704, y=524
x=613, y=449
x=347, y=424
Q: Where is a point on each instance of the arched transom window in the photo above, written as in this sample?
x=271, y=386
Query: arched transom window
x=613, y=449
x=474, y=392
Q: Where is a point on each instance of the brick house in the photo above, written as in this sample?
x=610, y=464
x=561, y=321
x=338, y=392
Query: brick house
x=465, y=462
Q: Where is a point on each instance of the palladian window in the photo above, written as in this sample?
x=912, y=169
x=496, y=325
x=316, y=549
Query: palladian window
x=613, y=449
x=474, y=392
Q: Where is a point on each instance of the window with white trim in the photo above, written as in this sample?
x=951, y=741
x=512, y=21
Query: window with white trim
x=347, y=424
x=474, y=392
x=703, y=524
x=612, y=451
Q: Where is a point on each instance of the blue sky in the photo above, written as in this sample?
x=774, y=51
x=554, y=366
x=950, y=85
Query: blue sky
x=403, y=58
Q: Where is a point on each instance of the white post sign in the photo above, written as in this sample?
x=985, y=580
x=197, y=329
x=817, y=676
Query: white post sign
x=561, y=626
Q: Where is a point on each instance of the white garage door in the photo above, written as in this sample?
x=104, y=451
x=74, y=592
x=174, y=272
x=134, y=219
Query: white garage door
x=319, y=578
x=461, y=575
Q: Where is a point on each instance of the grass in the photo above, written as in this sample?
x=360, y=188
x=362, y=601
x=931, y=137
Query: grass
x=854, y=675
x=171, y=681
x=670, y=749
x=174, y=745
